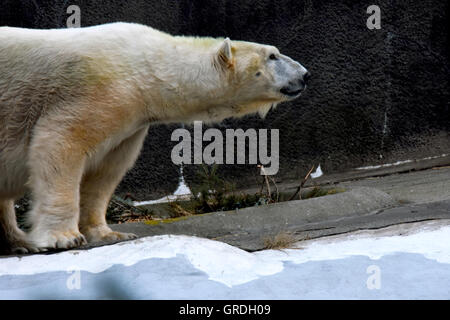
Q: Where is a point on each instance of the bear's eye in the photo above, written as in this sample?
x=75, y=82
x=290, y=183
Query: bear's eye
x=273, y=57
x=258, y=74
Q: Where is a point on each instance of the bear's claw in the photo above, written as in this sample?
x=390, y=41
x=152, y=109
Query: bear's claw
x=105, y=234
x=58, y=240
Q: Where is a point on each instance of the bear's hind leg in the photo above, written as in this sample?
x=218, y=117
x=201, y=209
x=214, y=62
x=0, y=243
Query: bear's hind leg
x=99, y=184
x=12, y=239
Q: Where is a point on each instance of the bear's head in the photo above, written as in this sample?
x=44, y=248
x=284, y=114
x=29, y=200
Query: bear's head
x=259, y=76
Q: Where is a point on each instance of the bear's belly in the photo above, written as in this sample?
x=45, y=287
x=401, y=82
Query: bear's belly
x=103, y=149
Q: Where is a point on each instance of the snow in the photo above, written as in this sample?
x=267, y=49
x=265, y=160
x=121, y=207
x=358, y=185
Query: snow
x=317, y=173
x=182, y=189
x=232, y=266
x=222, y=262
x=399, y=163
x=432, y=244
x=182, y=193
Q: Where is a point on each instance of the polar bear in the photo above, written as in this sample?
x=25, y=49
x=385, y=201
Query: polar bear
x=75, y=106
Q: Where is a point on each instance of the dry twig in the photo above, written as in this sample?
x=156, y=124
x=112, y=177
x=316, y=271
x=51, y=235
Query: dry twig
x=299, y=188
x=267, y=183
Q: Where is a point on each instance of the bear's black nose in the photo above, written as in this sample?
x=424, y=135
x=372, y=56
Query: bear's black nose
x=306, y=77
x=303, y=80
x=295, y=87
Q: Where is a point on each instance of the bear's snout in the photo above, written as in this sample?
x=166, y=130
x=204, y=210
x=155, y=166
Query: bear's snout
x=295, y=87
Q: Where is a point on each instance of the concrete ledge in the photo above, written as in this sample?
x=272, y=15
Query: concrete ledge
x=385, y=169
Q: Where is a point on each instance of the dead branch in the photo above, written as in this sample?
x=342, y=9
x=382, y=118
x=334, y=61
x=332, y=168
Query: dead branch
x=299, y=188
x=269, y=194
x=276, y=189
x=267, y=183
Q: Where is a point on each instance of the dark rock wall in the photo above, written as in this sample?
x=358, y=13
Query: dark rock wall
x=375, y=96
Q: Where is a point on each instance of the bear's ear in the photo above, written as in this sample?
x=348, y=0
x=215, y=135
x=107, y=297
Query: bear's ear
x=225, y=54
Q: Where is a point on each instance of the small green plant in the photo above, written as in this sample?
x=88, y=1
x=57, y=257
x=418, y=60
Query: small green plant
x=209, y=195
x=213, y=193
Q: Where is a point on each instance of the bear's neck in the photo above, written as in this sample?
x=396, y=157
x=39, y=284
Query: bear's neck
x=183, y=83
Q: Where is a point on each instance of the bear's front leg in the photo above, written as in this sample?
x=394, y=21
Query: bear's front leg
x=56, y=163
x=98, y=185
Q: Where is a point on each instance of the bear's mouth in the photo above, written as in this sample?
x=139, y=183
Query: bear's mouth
x=290, y=93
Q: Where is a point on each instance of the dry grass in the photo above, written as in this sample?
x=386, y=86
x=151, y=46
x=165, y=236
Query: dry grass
x=283, y=240
x=179, y=211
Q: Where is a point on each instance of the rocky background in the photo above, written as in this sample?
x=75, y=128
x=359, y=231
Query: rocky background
x=376, y=96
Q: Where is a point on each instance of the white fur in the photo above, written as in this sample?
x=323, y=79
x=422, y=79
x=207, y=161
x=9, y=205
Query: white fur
x=75, y=105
